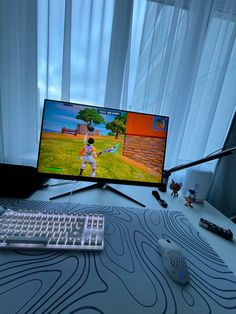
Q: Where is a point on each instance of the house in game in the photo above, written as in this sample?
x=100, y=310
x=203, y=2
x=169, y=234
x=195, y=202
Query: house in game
x=147, y=145
x=80, y=129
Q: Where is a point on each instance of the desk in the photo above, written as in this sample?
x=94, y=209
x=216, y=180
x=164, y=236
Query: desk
x=128, y=276
x=143, y=194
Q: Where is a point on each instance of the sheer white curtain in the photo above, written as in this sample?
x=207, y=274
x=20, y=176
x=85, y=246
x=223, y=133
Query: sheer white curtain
x=18, y=81
x=186, y=70
x=73, y=49
x=171, y=57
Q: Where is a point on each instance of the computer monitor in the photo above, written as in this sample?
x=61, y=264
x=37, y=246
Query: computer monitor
x=100, y=144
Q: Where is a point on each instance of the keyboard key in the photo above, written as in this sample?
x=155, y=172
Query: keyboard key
x=86, y=242
x=78, y=241
x=62, y=241
x=53, y=241
x=70, y=241
x=99, y=242
x=92, y=242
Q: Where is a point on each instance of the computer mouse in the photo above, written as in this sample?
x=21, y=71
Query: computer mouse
x=174, y=261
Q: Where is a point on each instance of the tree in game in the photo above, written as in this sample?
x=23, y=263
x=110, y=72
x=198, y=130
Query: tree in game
x=90, y=116
x=117, y=126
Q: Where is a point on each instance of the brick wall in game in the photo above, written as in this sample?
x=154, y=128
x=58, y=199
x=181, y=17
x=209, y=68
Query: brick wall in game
x=148, y=151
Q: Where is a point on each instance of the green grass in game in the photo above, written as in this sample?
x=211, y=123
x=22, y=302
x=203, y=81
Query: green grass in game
x=60, y=154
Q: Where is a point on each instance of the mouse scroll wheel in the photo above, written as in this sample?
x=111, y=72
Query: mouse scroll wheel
x=168, y=241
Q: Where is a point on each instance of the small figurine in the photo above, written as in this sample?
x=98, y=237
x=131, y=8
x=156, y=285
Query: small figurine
x=175, y=187
x=190, y=197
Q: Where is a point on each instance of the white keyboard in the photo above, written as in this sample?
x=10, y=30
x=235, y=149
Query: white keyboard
x=56, y=231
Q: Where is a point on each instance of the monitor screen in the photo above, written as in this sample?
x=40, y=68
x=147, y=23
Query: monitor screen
x=91, y=143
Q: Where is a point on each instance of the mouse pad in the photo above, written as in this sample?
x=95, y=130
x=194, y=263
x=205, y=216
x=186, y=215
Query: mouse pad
x=126, y=277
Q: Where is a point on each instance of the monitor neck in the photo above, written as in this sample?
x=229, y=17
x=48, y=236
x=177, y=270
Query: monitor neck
x=220, y=154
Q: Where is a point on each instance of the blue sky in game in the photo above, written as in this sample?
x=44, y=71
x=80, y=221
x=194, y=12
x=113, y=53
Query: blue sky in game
x=58, y=115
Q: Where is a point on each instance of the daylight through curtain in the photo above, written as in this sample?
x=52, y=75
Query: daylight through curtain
x=170, y=57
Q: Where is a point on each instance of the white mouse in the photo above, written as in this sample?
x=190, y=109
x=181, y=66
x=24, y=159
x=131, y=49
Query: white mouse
x=174, y=261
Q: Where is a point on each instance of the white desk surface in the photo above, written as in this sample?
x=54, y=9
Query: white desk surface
x=225, y=248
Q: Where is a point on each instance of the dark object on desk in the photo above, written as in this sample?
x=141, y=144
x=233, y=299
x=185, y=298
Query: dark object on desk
x=227, y=234
x=19, y=181
x=163, y=203
x=175, y=187
x=174, y=261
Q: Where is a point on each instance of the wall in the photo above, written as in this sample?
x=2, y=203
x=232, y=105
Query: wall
x=223, y=192
x=148, y=151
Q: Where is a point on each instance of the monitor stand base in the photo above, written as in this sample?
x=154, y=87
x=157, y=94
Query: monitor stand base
x=100, y=186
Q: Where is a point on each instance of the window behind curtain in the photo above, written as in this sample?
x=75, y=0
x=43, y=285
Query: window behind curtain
x=186, y=70
x=88, y=45
x=180, y=62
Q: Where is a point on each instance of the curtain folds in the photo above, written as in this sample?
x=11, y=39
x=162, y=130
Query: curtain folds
x=170, y=57
x=186, y=59
x=74, y=42
x=18, y=81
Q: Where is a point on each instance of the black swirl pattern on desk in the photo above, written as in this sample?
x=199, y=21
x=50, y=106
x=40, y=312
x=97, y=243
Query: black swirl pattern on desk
x=126, y=277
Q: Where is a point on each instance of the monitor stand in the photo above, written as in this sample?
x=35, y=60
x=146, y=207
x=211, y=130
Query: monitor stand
x=100, y=186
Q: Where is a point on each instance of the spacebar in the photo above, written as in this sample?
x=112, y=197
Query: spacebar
x=32, y=240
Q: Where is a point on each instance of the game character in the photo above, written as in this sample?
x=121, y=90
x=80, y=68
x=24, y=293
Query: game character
x=175, y=187
x=190, y=197
x=89, y=154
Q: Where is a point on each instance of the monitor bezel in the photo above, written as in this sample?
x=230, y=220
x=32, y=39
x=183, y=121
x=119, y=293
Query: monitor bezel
x=97, y=179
